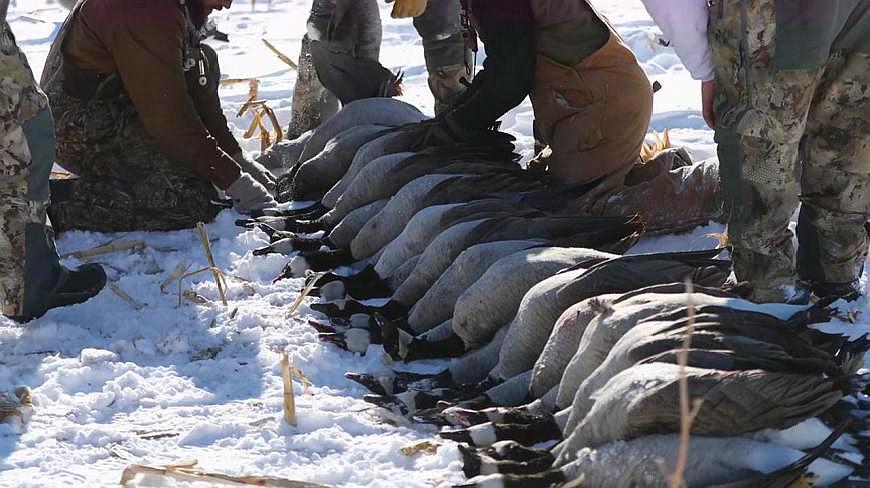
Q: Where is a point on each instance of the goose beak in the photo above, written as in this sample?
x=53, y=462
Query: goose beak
x=457, y=435
x=463, y=417
x=372, y=383
x=388, y=402
x=321, y=327
x=333, y=338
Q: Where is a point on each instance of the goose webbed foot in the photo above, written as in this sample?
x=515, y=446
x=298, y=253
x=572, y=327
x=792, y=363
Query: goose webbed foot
x=267, y=224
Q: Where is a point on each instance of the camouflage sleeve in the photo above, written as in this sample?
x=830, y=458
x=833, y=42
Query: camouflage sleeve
x=148, y=55
x=20, y=100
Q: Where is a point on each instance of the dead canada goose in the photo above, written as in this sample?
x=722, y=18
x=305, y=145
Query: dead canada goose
x=284, y=155
x=423, y=227
x=644, y=399
x=533, y=324
x=431, y=190
x=311, y=178
x=742, y=341
x=446, y=289
x=713, y=462
x=565, y=338
x=387, y=112
x=384, y=177
x=437, y=303
x=751, y=340
x=542, y=307
x=626, y=312
x=391, y=220
x=392, y=142
x=573, y=231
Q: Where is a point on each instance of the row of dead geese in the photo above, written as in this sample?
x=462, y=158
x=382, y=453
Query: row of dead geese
x=559, y=341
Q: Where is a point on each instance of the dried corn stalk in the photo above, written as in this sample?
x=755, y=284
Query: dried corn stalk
x=15, y=404
x=218, y=276
x=117, y=290
x=305, y=292
x=289, y=396
x=427, y=447
x=111, y=247
x=253, y=85
x=261, y=110
x=187, y=471
x=176, y=275
x=662, y=143
x=283, y=57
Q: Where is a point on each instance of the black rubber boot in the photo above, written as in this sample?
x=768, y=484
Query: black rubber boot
x=81, y=285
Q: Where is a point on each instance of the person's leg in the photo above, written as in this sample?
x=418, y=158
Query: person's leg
x=43, y=273
x=312, y=103
x=762, y=115
x=447, y=56
x=123, y=182
x=836, y=179
x=161, y=202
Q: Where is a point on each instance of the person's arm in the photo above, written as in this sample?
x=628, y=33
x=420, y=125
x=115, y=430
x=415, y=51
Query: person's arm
x=147, y=52
x=507, y=29
x=684, y=24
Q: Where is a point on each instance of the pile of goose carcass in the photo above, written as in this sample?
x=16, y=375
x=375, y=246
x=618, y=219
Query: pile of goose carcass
x=556, y=337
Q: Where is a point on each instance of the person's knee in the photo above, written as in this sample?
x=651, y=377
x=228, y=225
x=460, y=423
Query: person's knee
x=39, y=133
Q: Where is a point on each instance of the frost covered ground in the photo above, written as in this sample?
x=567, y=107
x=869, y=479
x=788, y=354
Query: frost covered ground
x=202, y=381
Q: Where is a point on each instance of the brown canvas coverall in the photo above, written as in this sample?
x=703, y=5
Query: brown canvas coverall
x=135, y=122
x=592, y=100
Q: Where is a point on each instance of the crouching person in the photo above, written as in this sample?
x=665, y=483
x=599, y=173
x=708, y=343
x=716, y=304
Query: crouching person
x=32, y=279
x=592, y=101
x=139, y=120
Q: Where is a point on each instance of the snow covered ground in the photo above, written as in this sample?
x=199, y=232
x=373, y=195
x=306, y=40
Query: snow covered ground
x=202, y=381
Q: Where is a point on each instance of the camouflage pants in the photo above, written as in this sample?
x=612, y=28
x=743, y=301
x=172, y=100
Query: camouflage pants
x=354, y=26
x=791, y=134
x=123, y=181
x=29, y=266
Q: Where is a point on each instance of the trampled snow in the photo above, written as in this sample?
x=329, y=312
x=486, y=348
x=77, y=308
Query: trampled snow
x=167, y=383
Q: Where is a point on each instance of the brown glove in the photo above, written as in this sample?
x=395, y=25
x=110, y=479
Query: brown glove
x=403, y=9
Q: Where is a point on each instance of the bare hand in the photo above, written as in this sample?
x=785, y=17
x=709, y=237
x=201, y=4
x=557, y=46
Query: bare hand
x=708, y=95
